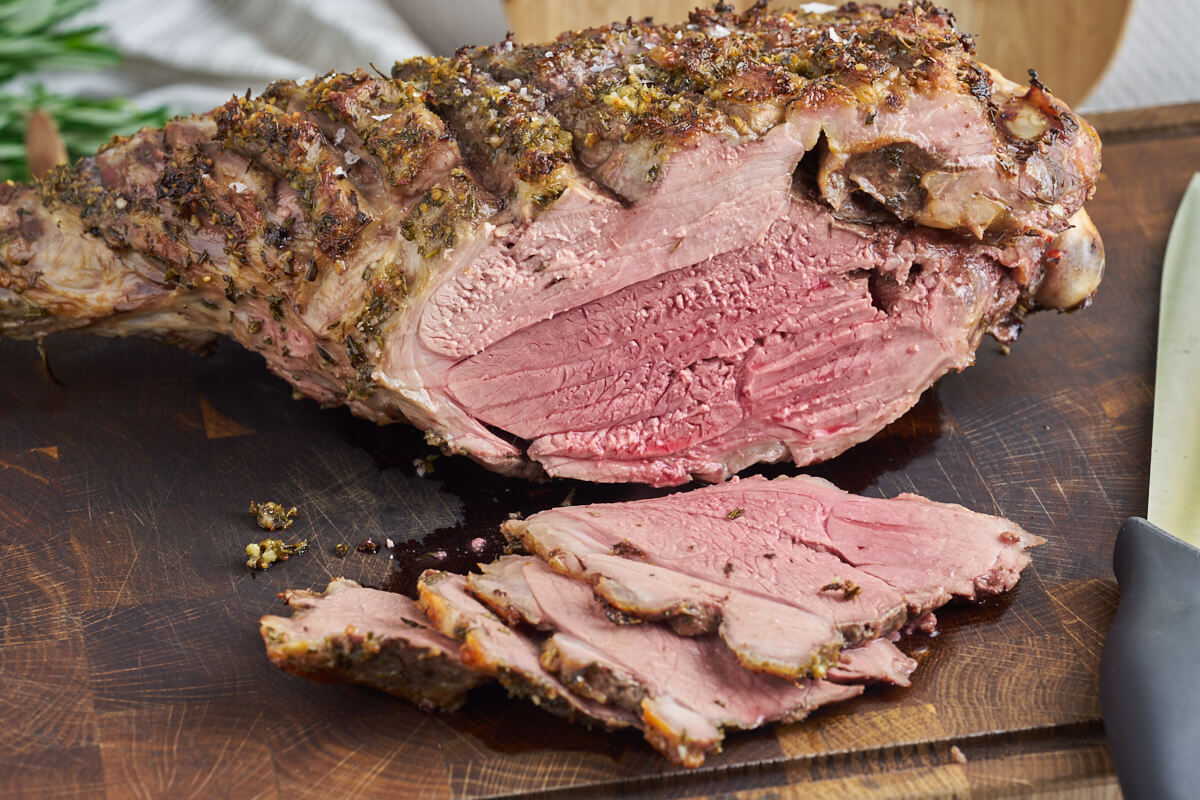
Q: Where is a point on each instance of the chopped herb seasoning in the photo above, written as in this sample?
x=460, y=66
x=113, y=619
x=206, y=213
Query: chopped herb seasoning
x=354, y=350
x=619, y=617
x=737, y=512
x=231, y=292
x=261, y=555
x=272, y=516
x=424, y=466
x=728, y=568
x=341, y=549
x=849, y=589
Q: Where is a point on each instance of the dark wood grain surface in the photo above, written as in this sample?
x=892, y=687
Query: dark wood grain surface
x=130, y=663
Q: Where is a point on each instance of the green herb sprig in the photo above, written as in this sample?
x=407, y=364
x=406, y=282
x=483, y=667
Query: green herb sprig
x=37, y=35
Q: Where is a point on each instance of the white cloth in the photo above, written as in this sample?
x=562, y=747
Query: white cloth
x=1157, y=62
x=192, y=54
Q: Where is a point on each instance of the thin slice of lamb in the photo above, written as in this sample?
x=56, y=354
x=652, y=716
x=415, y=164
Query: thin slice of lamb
x=750, y=624
x=511, y=656
x=720, y=552
x=501, y=585
x=972, y=555
x=876, y=661
x=759, y=535
x=685, y=689
x=366, y=636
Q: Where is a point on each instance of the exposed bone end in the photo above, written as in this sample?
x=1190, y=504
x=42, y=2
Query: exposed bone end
x=1074, y=266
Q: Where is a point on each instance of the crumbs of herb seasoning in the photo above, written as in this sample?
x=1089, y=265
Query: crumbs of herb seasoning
x=341, y=549
x=260, y=555
x=728, y=568
x=737, y=512
x=618, y=617
x=848, y=588
x=424, y=466
x=272, y=516
x=368, y=545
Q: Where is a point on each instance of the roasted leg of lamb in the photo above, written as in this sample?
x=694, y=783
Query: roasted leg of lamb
x=639, y=253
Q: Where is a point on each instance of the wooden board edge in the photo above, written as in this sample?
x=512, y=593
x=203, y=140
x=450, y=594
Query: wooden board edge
x=1118, y=127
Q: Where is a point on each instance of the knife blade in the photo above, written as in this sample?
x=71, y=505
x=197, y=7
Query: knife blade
x=1150, y=668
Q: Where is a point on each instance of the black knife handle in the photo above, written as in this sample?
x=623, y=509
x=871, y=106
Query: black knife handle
x=1150, y=669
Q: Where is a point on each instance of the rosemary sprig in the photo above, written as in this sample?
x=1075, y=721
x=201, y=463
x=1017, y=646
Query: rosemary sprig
x=36, y=35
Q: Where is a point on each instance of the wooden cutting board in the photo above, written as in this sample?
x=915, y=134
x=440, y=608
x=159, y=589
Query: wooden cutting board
x=130, y=663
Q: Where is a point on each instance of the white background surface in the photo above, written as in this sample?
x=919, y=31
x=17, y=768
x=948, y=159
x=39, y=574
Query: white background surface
x=192, y=54
x=1158, y=60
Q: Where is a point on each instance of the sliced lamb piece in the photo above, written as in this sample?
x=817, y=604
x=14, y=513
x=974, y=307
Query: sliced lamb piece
x=685, y=689
x=501, y=585
x=798, y=577
x=512, y=657
x=379, y=639
x=748, y=621
x=751, y=534
x=749, y=624
x=918, y=544
x=877, y=660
